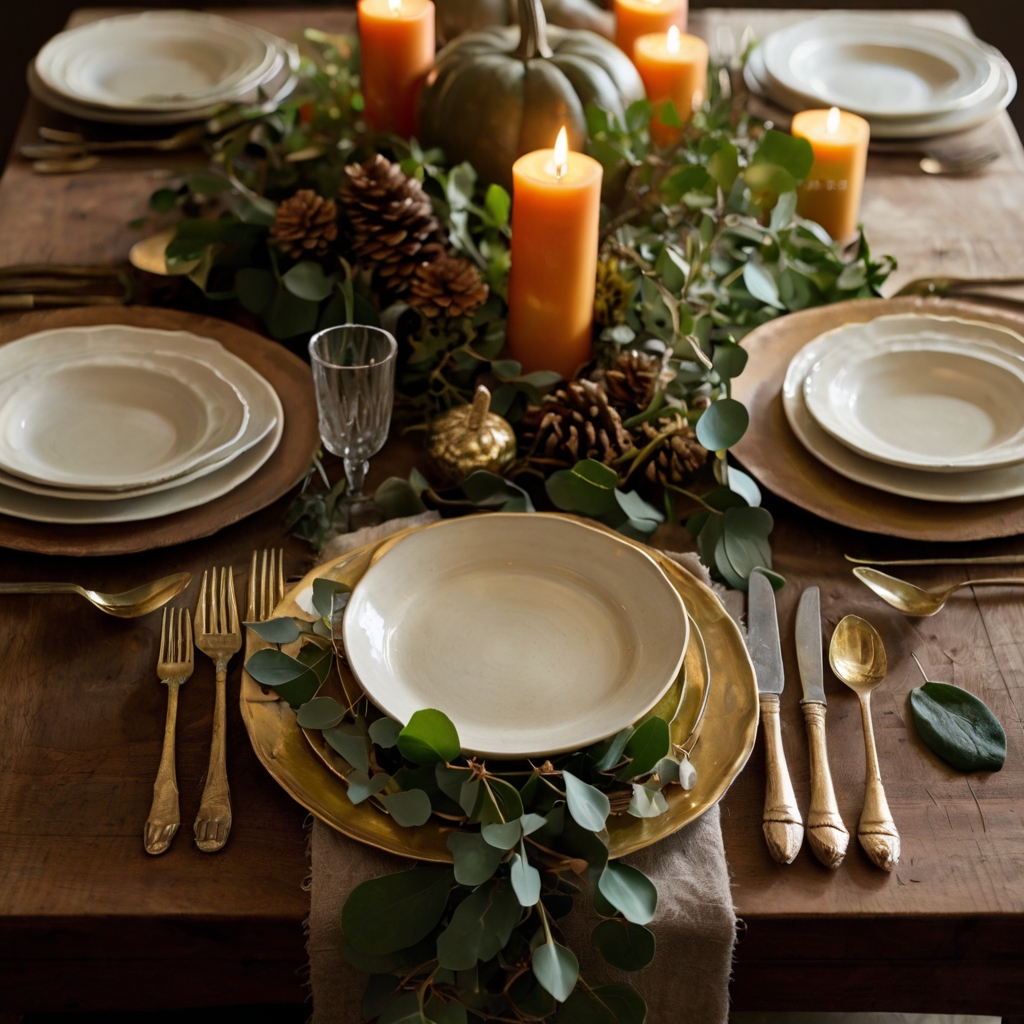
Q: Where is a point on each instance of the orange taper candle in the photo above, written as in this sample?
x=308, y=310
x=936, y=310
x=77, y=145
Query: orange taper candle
x=556, y=202
x=674, y=67
x=396, y=40
x=831, y=194
x=636, y=18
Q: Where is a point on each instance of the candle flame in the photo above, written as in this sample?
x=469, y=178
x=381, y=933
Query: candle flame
x=832, y=121
x=672, y=43
x=561, y=154
x=395, y=6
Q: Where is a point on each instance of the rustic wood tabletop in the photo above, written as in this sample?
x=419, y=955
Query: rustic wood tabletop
x=89, y=921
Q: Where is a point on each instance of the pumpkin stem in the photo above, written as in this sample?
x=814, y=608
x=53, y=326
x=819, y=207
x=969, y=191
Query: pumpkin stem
x=533, y=31
x=481, y=405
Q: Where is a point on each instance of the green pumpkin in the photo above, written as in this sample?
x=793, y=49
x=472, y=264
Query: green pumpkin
x=457, y=16
x=496, y=94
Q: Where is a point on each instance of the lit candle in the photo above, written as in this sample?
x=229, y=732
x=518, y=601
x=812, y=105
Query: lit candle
x=556, y=200
x=674, y=67
x=396, y=39
x=635, y=18
x=831, y=194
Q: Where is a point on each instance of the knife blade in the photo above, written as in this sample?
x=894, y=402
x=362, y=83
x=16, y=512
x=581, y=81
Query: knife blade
x=827, y=836
x=783, y=826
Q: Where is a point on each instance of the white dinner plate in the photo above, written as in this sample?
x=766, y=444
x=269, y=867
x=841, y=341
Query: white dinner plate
x=955, y=488
x=878, y=67
x=935, y=399
x=959, y=120
x=113, y=422
x=156, y=60
x=533, y=634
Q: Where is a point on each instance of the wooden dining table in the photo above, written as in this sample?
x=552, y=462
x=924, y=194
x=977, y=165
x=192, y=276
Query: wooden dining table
x=89, y=921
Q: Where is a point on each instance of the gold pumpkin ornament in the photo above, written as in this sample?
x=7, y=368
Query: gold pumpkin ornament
x=468, y=438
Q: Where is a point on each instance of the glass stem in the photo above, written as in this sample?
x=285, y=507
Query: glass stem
x=355, y=472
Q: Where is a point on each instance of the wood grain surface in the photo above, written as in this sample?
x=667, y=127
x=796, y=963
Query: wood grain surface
x=89, y=921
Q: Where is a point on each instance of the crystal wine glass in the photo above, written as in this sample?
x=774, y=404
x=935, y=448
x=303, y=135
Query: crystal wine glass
x=354, y=374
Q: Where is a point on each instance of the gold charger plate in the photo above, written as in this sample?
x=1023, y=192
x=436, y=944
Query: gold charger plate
x=773, y=454
x=727, y=728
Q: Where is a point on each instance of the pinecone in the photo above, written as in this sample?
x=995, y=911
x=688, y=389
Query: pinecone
x=392, y=224
x=678, y=456
x=305, y=224
x=576, y=422
x=612, y=294
x=449, y=286
x=632, y=381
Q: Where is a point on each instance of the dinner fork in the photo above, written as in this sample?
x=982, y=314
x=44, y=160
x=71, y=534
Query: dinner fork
x=266, y=591
x=173, y=667
x=218, y=636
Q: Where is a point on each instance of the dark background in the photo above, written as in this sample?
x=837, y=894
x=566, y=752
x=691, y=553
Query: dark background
x=29, y=23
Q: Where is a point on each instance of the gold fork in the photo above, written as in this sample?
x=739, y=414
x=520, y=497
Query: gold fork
x=174, y=666
x=266, y=591
x=218, y=636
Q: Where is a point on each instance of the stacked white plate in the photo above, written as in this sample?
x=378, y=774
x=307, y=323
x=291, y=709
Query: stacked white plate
x=907, y=80
x=923, y=406
x=114, y=423
x=159, y=67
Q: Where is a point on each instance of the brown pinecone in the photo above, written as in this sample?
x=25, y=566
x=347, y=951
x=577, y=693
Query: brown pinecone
x=678, y=456
x=305, y=224
x=632, y=381
x=449, y=286
x=392, y=227
x=576, y=422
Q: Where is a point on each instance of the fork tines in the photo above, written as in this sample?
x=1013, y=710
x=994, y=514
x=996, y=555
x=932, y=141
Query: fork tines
x=266, y=590
x=219, y=614
x=175, y=641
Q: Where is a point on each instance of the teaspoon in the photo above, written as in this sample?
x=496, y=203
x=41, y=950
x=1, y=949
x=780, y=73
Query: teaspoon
x=126, y=605
x=912, y=600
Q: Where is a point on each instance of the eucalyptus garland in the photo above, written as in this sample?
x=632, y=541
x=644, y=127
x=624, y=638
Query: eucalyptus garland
x=479, y=940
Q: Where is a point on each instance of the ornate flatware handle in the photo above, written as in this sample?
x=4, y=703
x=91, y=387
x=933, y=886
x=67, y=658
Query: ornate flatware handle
x=164, y=817
x=877, y=831
x=783, y=826
x=213, y=822
x=826, y=834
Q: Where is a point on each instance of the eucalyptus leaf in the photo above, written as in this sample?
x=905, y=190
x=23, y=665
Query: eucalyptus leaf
x=299, y=691
x=384, y=732
x=308, y=281
x=362, y=786
x=583, y=1008
x=608, y=753
x=525, y=880
x=451, y=1012
x=352, y=743
x=475, y=859
x=323, y=595
x=668, y=770
x=646, y=747
x=625, y=1003
x=761, y=284
x=587, y=804
x=790, y=152
x=745, y=486
x=530, y=823
x=320, y=713
x=255, y=289
x=272, y=668
x=503, y=835
x=630, y=891
x=687, y=774
x=479, y=928
x=288, y=316
x=589, y=487
x=745, y=536
x=410, y=808
x=647, y=802
x=722, y=424
x=397, y=498
x=450, y=780
x=499, y=802
x=392, y=912
x=275, y=631
x=630, y=947
x=429, y=737
x=958, y=727
x=404, y=1009
x=556, y=968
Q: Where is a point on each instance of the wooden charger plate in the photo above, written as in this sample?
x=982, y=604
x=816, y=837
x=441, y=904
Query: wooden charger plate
x=728, y=728
x=290, y=378
x=771, y=452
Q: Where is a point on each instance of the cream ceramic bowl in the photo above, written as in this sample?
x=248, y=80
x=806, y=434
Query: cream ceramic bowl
x=535, y=634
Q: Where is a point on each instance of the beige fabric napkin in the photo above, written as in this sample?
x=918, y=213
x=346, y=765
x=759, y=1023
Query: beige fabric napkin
x=688, y=983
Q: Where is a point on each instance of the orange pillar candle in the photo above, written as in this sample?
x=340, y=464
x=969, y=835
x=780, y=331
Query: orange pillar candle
x=831, y=194
x=396, y=39
x=556, y=201
x=674, y=67
x=635, y=18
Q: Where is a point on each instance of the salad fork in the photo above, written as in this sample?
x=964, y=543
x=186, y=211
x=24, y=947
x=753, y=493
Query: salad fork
x=266, y=591
x=174, y=666
x=218, y=636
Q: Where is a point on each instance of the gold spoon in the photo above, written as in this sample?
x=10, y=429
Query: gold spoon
x=857, y=657
x=912, y=600
x=127, y=605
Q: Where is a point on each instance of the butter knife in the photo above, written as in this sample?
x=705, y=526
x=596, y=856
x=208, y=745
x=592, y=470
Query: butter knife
x=826, y=834
x=783, y=826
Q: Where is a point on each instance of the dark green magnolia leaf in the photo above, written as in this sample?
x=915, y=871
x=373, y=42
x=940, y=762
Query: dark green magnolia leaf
x=379, y=992
x=479, y=928
x=352, y=743
x=525, y=880
x=288, y=316
x=587, y=804
x=790, y=152
x=475, y=860
x=320, y=713
x=384, y=732
x=630, y=947
x=504, y=835
x=397, y=498
x=377, y=965
x=362, y=786
x=630, y=891
x=409, y=809
x=646, y=747
x=556, y=968
x=589, y=488
x=958, y=727
x=275, y=631
x=308, y=281
x=608, y=753
x=722, y=424
x=386, y=914
x=429, y=737
x=323, y=595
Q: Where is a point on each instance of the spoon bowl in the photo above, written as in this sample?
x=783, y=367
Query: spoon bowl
x=911, y=600
x=857, y=654
x=128, y=604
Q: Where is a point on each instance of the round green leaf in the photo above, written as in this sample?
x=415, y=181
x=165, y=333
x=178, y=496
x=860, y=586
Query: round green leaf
x=386, y=914
x=630, y=947
x=608, y=752
x=403, y=1009
x=352, y=743
x=525, y=881
x=530, y=999
x=288, y=315
x=276, y=631
x=384, y=732
x=272, y=668
x=320, y=713
x=307, y=280
x=646, y=747
x=410, y=808
x=556, y=968
x=582, y=1008
x=445, y=1013
x=588, y=806
x=504, y=835
x=479, y=928
x=722, y=424
x=450, y=780
x=588, y=491
x=255, y=288
x=475, y=860
x=787, y=151
x=299, y=691
x=429, y=737
x=531, y=822
x=958, y=727
x=361, y=786
x=323, y=595
x=729, y=360
x=745, y=536
x=625, y=1003
x=761, y=284
x=630, y=891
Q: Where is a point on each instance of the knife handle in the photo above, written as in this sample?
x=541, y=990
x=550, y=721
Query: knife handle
x=783, y=826
x=827, y=836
